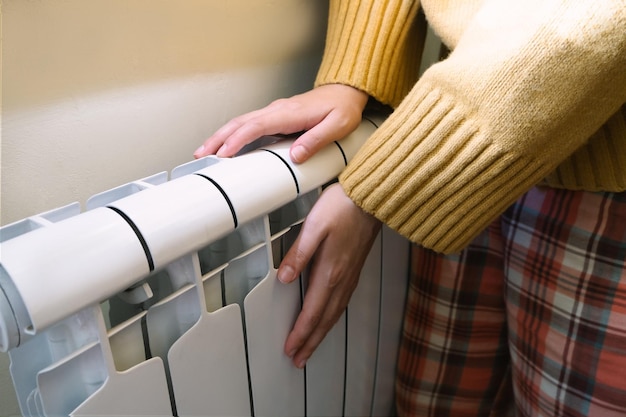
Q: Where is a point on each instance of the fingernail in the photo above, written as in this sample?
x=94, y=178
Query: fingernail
x=298, y=153
x=199, y=151
x=222, y=150
x=301, y=364
x=285, y=274
x=293, y=352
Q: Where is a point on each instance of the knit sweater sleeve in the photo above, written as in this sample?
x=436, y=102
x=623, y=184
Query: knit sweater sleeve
x=375, y=46
x=526, y=85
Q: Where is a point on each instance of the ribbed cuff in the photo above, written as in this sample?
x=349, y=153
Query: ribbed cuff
x=431, y=174
x=374, y=46
x=600, y=165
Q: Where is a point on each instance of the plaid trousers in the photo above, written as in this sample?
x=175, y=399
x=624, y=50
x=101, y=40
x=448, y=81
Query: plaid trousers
x=529, y=320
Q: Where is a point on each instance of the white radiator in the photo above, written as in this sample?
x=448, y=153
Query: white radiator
x=161, y=298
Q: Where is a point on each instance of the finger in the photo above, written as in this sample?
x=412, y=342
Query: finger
x=292, y=265
x=329, y=290
x=300, y=253
x=269, y=123
x=312, y=318
x=331, y=314
x=333, y=127
x=325, y=301
x=213, y=143
x=277, y=118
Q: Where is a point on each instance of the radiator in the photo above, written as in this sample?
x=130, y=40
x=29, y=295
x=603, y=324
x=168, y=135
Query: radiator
x=161, y=298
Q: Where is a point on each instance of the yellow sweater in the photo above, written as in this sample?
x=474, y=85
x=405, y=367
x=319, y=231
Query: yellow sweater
x=533, y=92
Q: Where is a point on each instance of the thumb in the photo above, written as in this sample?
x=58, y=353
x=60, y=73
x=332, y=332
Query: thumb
x=332, y=128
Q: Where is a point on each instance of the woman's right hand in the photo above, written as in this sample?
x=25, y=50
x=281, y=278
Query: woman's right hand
x=325, y=114
x=335, y=239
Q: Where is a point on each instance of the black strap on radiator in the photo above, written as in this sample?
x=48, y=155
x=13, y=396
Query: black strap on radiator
x=143, y=242
x=293, y=174
x=221, y=190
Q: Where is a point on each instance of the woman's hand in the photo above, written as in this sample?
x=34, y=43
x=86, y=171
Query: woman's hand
x=337, y=237
x=325, y=114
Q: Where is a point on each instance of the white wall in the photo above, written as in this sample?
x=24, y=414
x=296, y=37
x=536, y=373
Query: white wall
x=96, y=93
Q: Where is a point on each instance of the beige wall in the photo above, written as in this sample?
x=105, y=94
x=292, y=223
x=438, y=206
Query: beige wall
x=96, y=93
x=100, y=92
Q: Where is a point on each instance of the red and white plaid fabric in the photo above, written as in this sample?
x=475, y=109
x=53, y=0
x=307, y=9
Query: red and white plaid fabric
x=529, y=320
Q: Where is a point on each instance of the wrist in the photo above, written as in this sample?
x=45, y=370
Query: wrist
x=349, y=94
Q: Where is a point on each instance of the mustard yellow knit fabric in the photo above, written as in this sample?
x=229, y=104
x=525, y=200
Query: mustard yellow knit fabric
x=533, y=92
